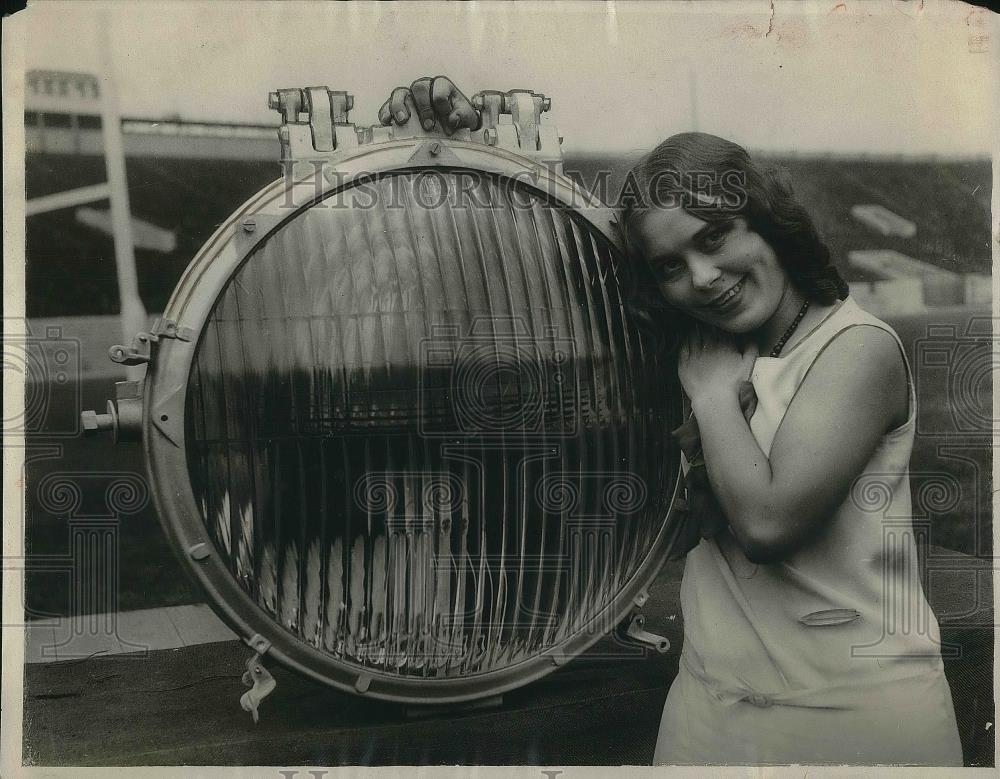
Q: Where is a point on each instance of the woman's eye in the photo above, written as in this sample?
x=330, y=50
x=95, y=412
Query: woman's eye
x=714, y=238
x=668, y=269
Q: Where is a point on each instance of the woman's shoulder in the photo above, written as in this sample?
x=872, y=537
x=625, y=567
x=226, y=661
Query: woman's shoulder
x=865, y=343
x=865, y=352
x=838, y=323
x=864, y=339
x=849, y=352
x=853, y=312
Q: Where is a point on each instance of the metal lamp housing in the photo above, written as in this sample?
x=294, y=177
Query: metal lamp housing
x=426, y=597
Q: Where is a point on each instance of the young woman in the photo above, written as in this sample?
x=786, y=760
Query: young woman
x=807, y=637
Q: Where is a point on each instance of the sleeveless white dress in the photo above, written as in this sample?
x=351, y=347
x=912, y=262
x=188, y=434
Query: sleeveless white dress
x=832, y=656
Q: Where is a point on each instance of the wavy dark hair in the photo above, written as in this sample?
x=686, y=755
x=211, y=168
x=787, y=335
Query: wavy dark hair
x=715, y=179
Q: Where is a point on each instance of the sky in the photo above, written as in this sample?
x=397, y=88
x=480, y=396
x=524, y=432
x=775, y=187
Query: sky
x=880, y=77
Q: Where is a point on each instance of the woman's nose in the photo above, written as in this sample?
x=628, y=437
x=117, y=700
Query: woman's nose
x=704, y=272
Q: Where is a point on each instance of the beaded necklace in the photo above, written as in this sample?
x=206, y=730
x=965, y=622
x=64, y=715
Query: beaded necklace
x=776, y=351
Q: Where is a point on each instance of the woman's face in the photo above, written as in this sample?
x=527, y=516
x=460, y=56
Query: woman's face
x=719, y=272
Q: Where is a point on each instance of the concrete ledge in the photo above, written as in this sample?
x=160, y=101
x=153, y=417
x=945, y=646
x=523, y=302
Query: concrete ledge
x=128, y=632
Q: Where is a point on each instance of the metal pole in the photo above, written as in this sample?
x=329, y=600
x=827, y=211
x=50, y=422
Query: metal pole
x=133, y=313
x=693, y=92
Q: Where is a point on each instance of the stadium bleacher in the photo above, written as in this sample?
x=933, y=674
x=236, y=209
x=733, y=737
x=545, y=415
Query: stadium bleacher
x=189, y=188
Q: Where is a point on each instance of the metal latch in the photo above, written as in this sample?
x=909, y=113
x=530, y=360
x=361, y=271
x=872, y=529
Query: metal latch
x=324, y=110
x=141, y=349
x=138, y=353
x=168, y=328
x=525, y=108
x=632, y=631
x=490, y=104
x=124, y=414
x=260, y=682
x=314, y=122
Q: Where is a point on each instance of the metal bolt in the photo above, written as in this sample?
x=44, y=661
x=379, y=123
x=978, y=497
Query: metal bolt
x=435, y=149
x=93, y=423
x=249, y=225
x=89, y=421
x=546, y=103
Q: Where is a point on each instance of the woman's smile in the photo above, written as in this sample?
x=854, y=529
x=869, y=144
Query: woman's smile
x=729, y=299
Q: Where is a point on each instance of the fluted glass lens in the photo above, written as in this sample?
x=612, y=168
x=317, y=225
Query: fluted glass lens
x=423, y=430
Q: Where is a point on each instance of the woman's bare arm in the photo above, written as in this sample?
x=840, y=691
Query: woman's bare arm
x=854, y=392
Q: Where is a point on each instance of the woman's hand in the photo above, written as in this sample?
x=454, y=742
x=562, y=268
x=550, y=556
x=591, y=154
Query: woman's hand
x=712, y=366
x=433, y=99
